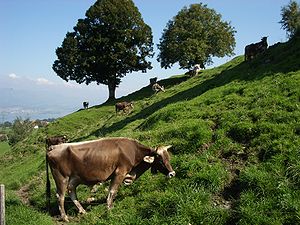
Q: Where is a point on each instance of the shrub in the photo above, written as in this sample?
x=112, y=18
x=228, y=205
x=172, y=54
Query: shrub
x=20, y=130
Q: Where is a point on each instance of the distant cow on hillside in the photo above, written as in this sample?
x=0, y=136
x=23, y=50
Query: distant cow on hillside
x=253, y=49
x=195, y=69
x=85, y=105
x=153, y=80
x=124, y=106
x=157, y=88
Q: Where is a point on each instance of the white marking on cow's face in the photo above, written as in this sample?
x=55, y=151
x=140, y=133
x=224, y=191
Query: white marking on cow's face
x=149, y=159
x=171, y=174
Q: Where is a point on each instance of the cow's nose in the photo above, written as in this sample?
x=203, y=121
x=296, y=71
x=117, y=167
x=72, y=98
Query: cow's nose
x=171, y=174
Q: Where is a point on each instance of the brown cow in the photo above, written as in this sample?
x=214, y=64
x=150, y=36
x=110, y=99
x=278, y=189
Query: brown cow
x=253, y=49
x=123, y=106
x=157, y=88
x=153, y=80
x=90, y=162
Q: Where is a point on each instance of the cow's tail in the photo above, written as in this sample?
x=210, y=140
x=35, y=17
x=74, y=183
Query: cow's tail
x=48, y=184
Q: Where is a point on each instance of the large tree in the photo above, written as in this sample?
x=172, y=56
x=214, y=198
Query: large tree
x=290, y=21
x=194, y=36
x=110, y=42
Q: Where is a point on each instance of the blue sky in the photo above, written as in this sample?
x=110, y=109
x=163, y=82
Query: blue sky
x=31, y=30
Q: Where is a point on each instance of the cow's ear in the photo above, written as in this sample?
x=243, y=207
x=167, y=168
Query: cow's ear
x=149, y=159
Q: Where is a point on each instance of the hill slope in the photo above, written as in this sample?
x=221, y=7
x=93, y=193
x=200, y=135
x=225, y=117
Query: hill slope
x=235, y=132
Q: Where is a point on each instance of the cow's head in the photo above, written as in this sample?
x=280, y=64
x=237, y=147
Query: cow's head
x=130, y=104
x=65, y=139
x=161, y=161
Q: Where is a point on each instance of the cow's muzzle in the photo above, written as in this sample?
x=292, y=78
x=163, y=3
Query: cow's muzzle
x=171, y=174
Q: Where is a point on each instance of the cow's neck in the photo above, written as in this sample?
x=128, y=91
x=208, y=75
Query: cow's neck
x=138, y=170
x=142, y=166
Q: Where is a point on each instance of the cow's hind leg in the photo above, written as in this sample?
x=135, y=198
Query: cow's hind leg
x=61, y=187
x=72, y=192
x=113, y=189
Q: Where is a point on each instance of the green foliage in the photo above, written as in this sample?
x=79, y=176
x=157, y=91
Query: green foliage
x=290, y=21
x=194, y=36
x=235, y=134
x=274, y=196
x=110, y=42
x=4, y=147
x=20, y=130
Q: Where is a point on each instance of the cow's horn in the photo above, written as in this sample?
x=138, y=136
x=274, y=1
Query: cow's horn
x=167, y=147
x=159, y=149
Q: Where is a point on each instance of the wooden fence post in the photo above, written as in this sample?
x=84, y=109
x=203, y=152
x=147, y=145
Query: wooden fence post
x=2, y=204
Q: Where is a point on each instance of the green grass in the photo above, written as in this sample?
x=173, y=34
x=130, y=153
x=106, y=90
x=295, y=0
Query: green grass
x=235, y=132
x=4, y=147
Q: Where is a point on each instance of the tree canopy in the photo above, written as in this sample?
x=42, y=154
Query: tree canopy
x=110, y=42
x=290, y=21
x=194, y=36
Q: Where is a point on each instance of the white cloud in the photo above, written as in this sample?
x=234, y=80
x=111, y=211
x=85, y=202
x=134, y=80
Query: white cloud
x=13, y=76
x=43, y=81
x=71, y=85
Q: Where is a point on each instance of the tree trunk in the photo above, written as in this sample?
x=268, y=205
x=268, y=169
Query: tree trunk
x=111, y=91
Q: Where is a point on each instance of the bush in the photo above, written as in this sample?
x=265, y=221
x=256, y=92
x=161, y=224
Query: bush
x=20, y=130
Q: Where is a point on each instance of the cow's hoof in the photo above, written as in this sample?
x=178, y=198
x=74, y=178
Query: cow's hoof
x=82, y=211
x=65, y=218
x=90, y=200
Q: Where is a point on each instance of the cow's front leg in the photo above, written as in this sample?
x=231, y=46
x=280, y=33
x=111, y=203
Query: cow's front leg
x=113, y=189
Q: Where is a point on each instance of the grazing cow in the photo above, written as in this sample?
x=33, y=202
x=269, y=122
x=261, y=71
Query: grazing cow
x=195, y=70
x=153, y=80
x=90, y=162
x=123, y=106
x=253, y=49
x=55, y=140
x=157, y=88
x=85, y=105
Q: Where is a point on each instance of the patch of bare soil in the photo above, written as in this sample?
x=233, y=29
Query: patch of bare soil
x=23, y=194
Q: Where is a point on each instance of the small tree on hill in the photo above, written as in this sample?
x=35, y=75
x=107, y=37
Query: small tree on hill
x=20, y=130
x=110, y=42
x=290, y=21
x=194, y=36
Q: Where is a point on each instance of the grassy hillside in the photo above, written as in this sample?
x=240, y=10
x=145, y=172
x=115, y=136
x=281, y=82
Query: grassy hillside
x=235, y=131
